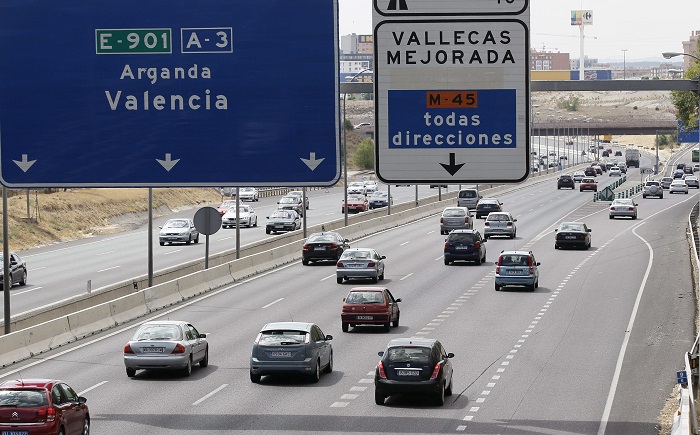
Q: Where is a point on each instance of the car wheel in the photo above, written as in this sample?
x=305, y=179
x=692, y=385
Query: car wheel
x=644, y=196
x=387, y=327
x=86, y=425
x=610, y=216
x=375, y=279
x=205, y=361
x=497, y=287
x=588, y=246
x=447, y=262
x=558, y=188
x=61, y=432
x=531, y=287
x=162, y=243
x=329, y=366
x=448, y=390
x=304, y=261
x=23, y=280
x=395, y=323
x=478, y=261
x=440, y=397
x=513, y=236
x=189, y=240
x=255, y=224
x=196, y=239
x=316, y=375
x=634, y=217
x=188, y=368
x=381, y=277
x=267, y=231
x=345, y=327
x=378, y=398
x=537, y=283
x=130, y=372
x=339, y=280
x=255, y=378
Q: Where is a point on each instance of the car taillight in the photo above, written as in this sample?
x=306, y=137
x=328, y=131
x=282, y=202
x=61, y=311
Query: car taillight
x=371, y=264
x=529, y=263
x=380, y=368
x=179, y=348
x=333, y=246
x=48, y=413
x=509, y=224
x=308, y=339
x=466, y=220
x=436, y=371
x=477, y=245
x=487, y=224
x=339, y=265
x=612, y=208
x=306, y=248
x=128, y=349
x=447, y=245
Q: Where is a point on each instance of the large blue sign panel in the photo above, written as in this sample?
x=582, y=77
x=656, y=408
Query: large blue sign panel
x=688, y=135
x=169, y=93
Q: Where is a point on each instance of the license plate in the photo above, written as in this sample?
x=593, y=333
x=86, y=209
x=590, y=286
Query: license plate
x=14, y=432
x=365, y=317
x=570, y=237
x=513, y=272
x=407, y=373
x=152, y=350
x=319, y=248
x=281, y=354
x=279, y=225
x=355, y=265
x=461, y=247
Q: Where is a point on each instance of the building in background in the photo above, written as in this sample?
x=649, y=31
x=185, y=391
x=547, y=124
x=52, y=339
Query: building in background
x=356, y=54
x=691, y=47
x=547, y=60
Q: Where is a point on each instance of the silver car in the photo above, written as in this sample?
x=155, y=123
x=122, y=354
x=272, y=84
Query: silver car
x=360, y=263
x=500, y=223
x=678, y=186
x=291, y=347
x=623, y=207
x=178, y=231
x=455, y=218
x=299, y=194
x=166, y=345
x=249, y=194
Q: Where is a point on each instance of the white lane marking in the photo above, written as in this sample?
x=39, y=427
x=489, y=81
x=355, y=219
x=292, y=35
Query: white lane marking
x=348, y=396
x=339, y=404
x=209, y=395
x=474, y=409
x=366, y=381
x=91, y=388
x=628, y=332
x=439, y=258
x=430, y=232
x=370, y=373
x=491, y=384
x=109, y=268
x=406, y=276
x=105, y=253
x=480, y=400
x=229, y=237
x=358, y=388
x=405, y=243
x=274, y=302
x=328, y=277
x=172, y=252
x=37, y=268
x=25, y=291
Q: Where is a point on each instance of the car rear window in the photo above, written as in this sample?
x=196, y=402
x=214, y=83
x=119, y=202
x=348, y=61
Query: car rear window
x=23, y=398
x=461, y=237
x=356, y=254
x=365, y=298
x=467, y=194
x=158, y=332
x=453, y=212
x=321, y=238
x=513, y=260
x=497, y=217
x=419, y=355
x=280, y=336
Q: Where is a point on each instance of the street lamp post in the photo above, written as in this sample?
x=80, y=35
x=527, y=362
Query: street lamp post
x=345, y=151
x=624, y=64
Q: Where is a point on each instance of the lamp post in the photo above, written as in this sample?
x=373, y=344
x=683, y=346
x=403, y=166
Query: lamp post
x=624, y=64
x=345, y=150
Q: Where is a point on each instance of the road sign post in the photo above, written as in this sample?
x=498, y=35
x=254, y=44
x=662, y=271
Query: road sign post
x=136, y=94
x=452, y=91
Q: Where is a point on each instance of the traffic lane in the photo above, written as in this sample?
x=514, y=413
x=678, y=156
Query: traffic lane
x=664, y=326
x=559, y=350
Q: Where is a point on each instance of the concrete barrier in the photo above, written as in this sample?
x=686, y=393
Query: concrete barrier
x=129, y=307
x=13, y=348
x=90, y=320
x=162, y=295
x=193, y=284
x=48, y=335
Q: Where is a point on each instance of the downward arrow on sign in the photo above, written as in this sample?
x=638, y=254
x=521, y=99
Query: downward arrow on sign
x=452, y=168
x=168, y=163
x=312, y=162
x=25, y=164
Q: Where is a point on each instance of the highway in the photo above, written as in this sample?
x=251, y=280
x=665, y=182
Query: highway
x=593, y=350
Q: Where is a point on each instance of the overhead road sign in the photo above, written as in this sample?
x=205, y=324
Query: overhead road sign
x=446, y=8
x=452, y=99
x=133, y=93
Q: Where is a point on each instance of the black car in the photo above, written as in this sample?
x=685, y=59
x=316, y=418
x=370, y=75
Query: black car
x=687, y=169
x=618, y=153
x=566, y=181
x=605, y=154
x=417, y=366
x=467, y=245
x=323, y=246
x=572, y=235
x=18, y=270
x=486, y=206
x=590, y=172
x=678, y=174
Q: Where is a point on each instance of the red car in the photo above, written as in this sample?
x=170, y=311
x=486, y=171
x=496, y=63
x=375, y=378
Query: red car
x=356, y=203
x=42, y=406
x=370, y=306
x=588, y=184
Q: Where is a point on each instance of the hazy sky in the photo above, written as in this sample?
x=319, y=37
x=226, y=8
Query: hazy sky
x=644, y=28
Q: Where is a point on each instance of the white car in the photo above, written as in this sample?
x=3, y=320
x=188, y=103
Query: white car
x=246, y=215
x=614, y=171
x=249, y=194
x=678, y=186
x=578, y=176
x=370, y=186
x=357, y=187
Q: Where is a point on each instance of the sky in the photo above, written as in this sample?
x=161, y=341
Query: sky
x=644, y=28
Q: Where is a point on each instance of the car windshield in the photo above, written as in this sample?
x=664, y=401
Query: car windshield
x=571, y=227
x=23, y=398
x=157, y=332
x=588, y=180
x=365, y=298
x=280, y=336
x=177, y=224
x=321, y=238
x=379, y=195
x=295, y=194
x=356, y=198
x=288, y=200
x=246, y=189
x=498, y=217
x=419, y=355
x=282, y=215
x=227, y=204
x=453, y=212
x=356, y=254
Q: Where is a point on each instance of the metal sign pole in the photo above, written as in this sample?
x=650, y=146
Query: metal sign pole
x=5, y=262
x=150, y=236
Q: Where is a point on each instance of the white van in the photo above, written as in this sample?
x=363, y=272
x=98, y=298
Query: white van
x=468, y=198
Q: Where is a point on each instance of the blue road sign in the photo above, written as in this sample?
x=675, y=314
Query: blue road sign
x=688, y=135
x=154, y=93
x=681, y=377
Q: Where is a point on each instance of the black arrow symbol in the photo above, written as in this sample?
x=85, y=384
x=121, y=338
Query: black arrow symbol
x=402, y=5
x=452, y=168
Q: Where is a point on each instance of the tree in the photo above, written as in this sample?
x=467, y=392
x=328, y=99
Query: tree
x=364, y=154
x=686, y=102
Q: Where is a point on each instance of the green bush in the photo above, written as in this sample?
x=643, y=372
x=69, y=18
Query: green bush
x=364, y=154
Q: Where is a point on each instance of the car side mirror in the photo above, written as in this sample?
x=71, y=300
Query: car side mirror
x=82, y=399
x=267, y=217
x=450, y=355
x=278, y=202
x=202, y=335
x=484, y=240
x=380, y=353
x=383, y=257
x=347, y=240
x=160, y=228
x=556, y=230
x=329, y=337
x=537, y=264
x=397, y=300
x=589, y=230
x=515, y=220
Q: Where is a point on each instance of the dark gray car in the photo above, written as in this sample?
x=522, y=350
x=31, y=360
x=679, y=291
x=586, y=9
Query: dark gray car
x=283, y=220
x=291, y=203
x=291, y=347
x=18, y=270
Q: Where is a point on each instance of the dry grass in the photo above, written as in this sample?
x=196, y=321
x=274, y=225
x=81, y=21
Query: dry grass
x=79, y=213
